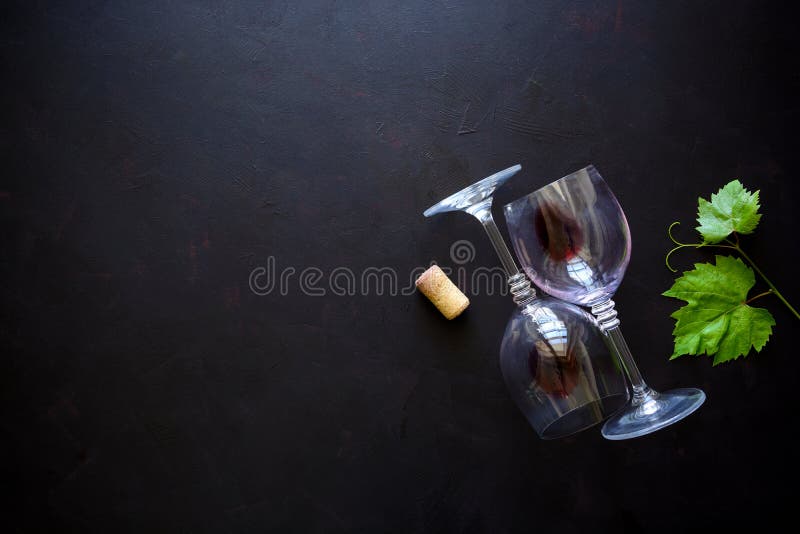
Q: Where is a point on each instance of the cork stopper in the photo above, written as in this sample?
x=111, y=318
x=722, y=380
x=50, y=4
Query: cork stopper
x=444, y=294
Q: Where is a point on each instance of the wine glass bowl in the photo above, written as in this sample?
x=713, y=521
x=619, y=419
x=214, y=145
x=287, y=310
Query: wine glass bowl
x=571, y=237
x=558, y=369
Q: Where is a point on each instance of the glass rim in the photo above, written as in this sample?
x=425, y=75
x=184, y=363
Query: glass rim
x=519, y=200
x=581, y=407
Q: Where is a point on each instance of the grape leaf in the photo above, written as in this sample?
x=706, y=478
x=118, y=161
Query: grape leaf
x=716, y=321
x=732, y=209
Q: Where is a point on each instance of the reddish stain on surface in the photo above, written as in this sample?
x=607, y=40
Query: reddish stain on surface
x=139, y=268
x=316, y=80
x=127, y=167
x=194, y=201
x=639, y=34
x=588, y=24
x=4, y=195
x=63, y=405
x=592, y=22
x=67, y=219
x=206, y=243
x=770, y=168
x=191, y=252
x=360, y=94
x=231, y=297
x=392, y=138
x=361, y=36
x=262, y=76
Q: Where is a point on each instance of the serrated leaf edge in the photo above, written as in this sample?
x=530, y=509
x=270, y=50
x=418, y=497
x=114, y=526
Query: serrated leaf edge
x=694, y=307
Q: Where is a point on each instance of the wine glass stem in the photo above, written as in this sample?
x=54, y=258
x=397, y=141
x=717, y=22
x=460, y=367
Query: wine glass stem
x=640, y=388
x=483, y=212
x=609, y=324
x=500, y=247
x=521, y=290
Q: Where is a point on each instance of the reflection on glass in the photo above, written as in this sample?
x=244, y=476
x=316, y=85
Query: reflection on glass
x=582, y=273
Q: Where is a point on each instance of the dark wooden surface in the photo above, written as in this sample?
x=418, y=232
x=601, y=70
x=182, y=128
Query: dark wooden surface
x=155, y=153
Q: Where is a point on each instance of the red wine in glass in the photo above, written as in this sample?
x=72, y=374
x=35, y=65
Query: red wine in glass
x=559, y=234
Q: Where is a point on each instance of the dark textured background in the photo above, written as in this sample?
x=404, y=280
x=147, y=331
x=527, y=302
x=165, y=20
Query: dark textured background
x=154, y=153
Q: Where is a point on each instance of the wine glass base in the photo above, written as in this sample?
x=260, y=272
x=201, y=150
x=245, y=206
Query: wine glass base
x=473, y=194
x=657, y=411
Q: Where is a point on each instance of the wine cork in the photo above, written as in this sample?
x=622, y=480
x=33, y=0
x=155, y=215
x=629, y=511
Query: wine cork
x=444, y=294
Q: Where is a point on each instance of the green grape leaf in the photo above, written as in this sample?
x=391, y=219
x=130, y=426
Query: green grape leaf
x=715, y=320
x=732, y=209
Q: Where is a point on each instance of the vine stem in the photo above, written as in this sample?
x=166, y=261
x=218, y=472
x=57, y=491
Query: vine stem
x=764, y=294
x=734, y=246
x=770, y=284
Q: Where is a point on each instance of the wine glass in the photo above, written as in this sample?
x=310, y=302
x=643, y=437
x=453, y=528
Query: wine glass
x=574, y=243
x=553, y=358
